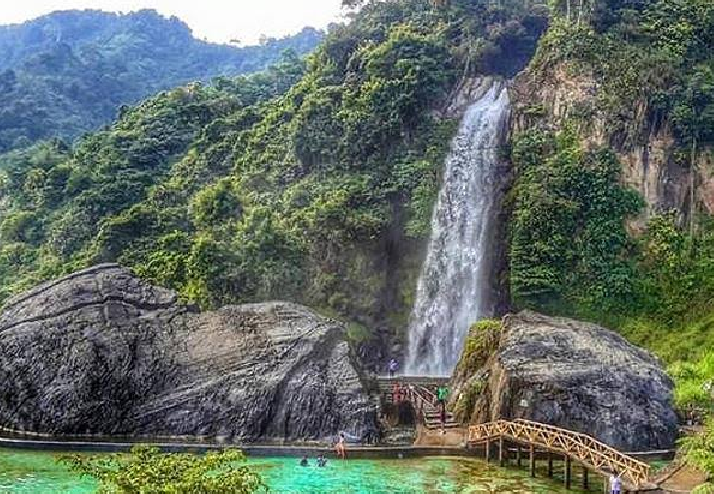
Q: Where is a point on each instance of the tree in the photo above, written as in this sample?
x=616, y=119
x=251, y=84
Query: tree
x=558, y=6
x=216, y=204
x=66, y=89
x=567, y=8
x=146, y=469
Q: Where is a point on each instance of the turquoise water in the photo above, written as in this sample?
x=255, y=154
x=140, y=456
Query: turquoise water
x=423, y=475
x=37, y=473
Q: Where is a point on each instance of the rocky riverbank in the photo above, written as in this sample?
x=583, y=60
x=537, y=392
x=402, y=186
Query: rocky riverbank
x=572, y=374
x=102, y=352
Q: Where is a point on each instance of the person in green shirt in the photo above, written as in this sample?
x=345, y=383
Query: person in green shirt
x=442, y=394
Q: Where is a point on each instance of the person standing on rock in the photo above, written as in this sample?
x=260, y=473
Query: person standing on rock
x=392, y=367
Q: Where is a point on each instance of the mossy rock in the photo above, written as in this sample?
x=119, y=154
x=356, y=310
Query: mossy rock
x=480, y=343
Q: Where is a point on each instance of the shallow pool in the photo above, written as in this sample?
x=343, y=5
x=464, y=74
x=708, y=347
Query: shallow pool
x=35, y=473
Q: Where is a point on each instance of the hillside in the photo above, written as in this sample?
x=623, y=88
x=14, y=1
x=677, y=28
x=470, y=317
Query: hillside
x=612, y=200
x=311, y=183
x=315, y=181
x=68, y=72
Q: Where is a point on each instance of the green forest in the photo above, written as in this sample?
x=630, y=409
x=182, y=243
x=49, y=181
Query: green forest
x=314, y=180
x=69, y=72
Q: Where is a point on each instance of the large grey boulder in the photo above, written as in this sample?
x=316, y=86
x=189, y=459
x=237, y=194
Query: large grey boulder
x=102, y=352
x=575, y=375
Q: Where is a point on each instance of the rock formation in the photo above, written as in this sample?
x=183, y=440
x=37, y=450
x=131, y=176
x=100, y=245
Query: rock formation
x=102, y=352
x=574, y=375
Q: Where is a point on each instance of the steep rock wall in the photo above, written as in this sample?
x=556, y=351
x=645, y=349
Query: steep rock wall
x=102, y=352
x=645, y=145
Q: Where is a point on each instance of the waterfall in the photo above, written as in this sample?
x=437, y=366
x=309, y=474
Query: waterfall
x=452, y=292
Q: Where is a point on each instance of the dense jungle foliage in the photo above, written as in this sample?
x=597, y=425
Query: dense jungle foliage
x=570, y=251
x=313, y=181
x=67, y=73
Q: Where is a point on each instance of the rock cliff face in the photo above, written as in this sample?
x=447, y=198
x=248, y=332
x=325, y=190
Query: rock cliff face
x=102, y=352
x=578, y=376
x=646, y=147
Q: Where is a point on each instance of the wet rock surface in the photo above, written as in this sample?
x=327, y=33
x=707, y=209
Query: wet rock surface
x=578, y=376
x=102, y=352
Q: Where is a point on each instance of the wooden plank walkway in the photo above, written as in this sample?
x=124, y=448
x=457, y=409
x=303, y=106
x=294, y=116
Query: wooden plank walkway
x=588, y=451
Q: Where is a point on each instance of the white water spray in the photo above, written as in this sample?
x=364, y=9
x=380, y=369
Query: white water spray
x=452, y=292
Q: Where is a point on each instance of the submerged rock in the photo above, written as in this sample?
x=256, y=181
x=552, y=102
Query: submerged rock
x=102, y=352
x=575, y=375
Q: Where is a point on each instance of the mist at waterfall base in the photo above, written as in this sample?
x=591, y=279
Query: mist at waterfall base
x=453, y=288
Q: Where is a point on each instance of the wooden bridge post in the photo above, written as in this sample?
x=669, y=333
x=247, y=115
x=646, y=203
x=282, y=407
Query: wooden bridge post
x=518, y=456
x=550, y=465
x=568, y=472
x=532, y=460
x=488, y=450
x=586, y=478
x=501, y=459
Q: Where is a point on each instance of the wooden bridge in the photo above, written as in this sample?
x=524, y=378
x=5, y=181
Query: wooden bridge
x=591, y=453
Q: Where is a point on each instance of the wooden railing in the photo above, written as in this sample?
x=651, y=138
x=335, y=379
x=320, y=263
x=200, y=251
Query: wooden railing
x=581, y=447
x=420, y=396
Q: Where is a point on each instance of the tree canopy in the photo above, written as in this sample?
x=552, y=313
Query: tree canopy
x=651, y=64
x=68, y=72
x=312, y=181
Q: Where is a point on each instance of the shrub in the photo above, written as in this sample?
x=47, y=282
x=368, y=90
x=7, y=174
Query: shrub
x=148, y=470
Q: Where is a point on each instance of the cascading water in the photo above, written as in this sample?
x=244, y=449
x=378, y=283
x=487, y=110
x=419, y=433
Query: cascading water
x=453, y=287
